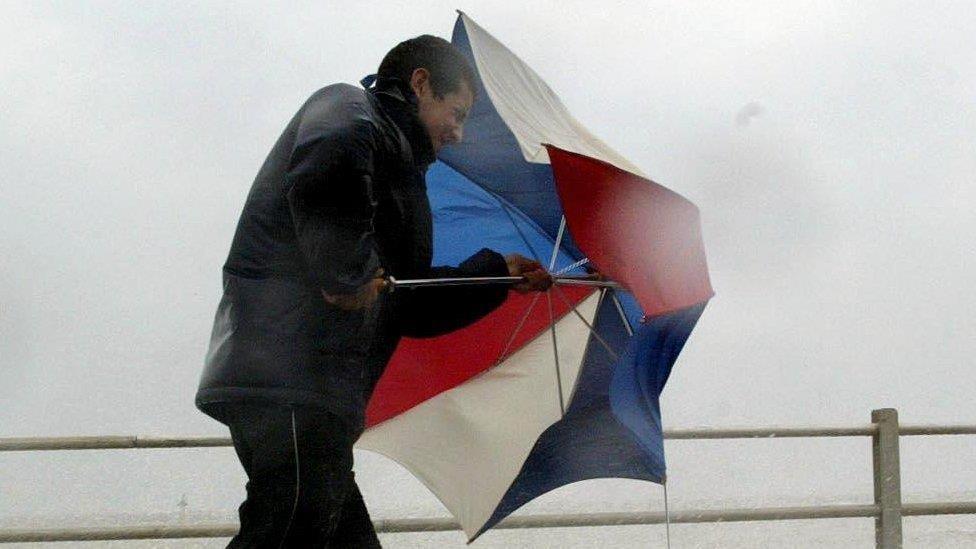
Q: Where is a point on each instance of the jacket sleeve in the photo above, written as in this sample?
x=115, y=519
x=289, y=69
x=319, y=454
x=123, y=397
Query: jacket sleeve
x=430, y=312
x=330, y=198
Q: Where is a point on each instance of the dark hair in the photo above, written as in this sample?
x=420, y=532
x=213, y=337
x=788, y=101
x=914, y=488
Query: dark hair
x=447, y=66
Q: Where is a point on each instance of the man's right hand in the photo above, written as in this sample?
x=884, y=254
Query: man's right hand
x=537, y=279
x=363, y=298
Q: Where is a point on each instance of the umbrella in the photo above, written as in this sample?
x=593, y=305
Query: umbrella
x=551, y=388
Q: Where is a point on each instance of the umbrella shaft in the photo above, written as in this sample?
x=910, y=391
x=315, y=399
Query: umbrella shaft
x=481, y=280
x=585, y=282
x=468, y=281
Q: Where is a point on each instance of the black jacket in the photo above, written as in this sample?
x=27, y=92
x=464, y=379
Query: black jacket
x=341, y=194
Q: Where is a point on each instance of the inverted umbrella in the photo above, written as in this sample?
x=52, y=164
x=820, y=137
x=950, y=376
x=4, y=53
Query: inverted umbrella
x=548, y=389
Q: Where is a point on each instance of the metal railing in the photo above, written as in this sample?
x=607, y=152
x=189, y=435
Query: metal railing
x=887, y=509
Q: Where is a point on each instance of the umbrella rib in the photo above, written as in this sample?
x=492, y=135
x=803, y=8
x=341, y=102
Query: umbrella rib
x=586, y=349
x=572, y=266
x=505, y=208
x=555, y=354
x=588, y=325
x=559, y=241
x=552, y=319
x=623, y=316
x=518, y=328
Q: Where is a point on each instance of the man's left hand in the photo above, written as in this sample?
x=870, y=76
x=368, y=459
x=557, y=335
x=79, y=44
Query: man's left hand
x=536, y=277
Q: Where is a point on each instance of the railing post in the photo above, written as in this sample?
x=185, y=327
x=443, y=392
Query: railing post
x=887, y=479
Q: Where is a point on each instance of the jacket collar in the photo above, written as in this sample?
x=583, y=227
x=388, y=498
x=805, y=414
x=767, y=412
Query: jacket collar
x=400, y=104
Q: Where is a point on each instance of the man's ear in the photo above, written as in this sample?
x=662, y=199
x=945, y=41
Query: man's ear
x=419, y=80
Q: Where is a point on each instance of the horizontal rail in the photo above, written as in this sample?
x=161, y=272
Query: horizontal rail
x=813, y=432
x=938, y=508
x=703, y=433
x=11, y=535
x=443, y=524
x=769, y=432
x=108, y=443
x=914, y=430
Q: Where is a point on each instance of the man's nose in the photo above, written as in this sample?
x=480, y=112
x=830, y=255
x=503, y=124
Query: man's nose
x=457, y=134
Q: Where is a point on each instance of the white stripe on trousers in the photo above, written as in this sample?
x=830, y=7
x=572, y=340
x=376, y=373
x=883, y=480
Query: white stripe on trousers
x=298, y=471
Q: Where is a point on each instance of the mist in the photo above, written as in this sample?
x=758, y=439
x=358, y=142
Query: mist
x=830, y=147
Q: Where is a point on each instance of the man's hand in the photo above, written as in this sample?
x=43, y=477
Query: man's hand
x=536, y=277
x=364, y=297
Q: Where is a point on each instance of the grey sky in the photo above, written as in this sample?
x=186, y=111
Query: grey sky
x=838, y=220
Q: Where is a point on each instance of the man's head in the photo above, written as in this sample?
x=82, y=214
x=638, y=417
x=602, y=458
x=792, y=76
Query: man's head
x=441, y=78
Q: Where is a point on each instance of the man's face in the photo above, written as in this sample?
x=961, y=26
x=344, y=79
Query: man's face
x=442, y=117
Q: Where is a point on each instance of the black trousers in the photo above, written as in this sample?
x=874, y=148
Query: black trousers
x=300, y=491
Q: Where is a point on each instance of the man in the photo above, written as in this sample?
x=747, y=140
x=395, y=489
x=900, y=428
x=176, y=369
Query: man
x=305, y=328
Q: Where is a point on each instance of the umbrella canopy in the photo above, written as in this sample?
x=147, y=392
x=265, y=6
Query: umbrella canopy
x=550, y=388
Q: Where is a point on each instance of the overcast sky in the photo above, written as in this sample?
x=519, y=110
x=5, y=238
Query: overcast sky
x=831, y=149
